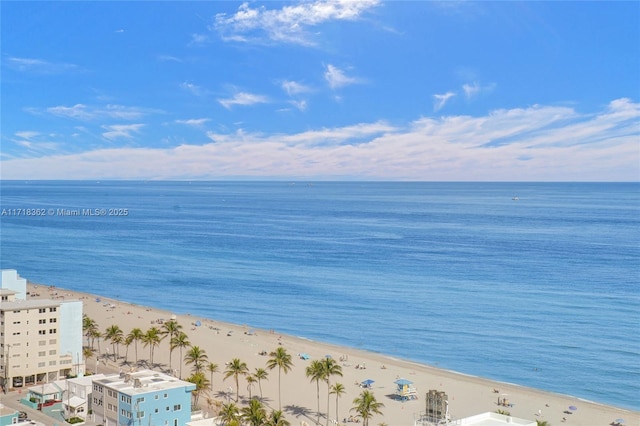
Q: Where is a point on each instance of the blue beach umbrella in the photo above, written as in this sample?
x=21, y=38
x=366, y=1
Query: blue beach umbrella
x=573, y=408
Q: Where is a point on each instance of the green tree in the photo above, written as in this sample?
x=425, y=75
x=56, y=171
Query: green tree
x=236, y=368
x=542, y=423
x=366, y=406
x=212, y=367
x=276, y=418
x=196, y=356
x=180, y=340
x=89, y=329
x=229, y=413
x=152, y=338
x=114, y=335
x=170, y=329
x=250, y=383
x=281, y=359
x=337, y=389
x=136, y=335
x=329, y=368
x=315, y=373
x=260, y=374
x=201, y=382
x=254, y=414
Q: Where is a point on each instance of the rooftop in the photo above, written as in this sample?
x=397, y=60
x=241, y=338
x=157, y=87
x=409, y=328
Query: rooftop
x=143, y=381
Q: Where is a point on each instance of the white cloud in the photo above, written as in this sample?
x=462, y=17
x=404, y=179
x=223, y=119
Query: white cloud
x=196, y=122
x=336, y=78
x=193, y=89
x=539, y=143
x=84, y=112
x=294, y=88
x=441, y=100
x=117, y=131
x=289, y=24
x=474, y=89
x=41, y=66
x=300, y=105
x=243, y=98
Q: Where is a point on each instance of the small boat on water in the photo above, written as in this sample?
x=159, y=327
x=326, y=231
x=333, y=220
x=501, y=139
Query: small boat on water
x=515, y=198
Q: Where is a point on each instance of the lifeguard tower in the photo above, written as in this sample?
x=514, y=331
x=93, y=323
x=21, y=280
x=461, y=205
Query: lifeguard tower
x=405, y=390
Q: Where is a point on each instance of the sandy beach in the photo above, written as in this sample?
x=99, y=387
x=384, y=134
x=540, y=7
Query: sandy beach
x=222, y=342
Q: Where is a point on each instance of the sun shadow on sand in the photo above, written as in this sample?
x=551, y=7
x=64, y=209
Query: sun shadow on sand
x=297, y=411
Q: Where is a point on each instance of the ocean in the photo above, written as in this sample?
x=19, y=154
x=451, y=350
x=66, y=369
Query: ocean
x=528, y=283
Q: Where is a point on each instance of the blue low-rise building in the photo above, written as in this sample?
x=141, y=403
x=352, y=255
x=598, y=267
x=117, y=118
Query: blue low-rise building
x=142, y=398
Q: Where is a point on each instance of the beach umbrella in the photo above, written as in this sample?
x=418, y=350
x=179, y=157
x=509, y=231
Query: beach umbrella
x=198, y=323
x=619, y=421
x=367, y=382
x=573, y=408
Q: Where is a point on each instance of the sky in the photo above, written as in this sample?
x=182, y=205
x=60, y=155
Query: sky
x=320, y=90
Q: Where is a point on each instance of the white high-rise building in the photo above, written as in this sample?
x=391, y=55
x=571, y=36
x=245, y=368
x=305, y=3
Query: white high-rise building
x=40, y=339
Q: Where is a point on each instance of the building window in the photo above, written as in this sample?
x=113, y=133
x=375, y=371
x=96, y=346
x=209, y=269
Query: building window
x=53, y=331
x=139, y=400
x=52, y=363
x=156, y=411
x=42, y=321
x=42, y=353
x=52, y=352
x=53, y=309
x=166, y=395
x=52, y=341
x=140, y=414
x=42, y=331
x=53, y=319
x=177, y=407
x=41, y=364
x=42, y=310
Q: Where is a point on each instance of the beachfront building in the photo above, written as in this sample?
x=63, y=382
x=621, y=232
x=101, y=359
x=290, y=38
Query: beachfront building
x=484, y=419
x=63, y=398
x=40, y=339
x=8, y=416
x=141, y=397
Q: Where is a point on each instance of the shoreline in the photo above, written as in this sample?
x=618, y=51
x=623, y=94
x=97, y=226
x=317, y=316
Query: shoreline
x=468, y=394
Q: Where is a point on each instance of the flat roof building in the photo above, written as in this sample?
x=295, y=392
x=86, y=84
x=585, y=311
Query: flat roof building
x=142, y=397
x=40, y=339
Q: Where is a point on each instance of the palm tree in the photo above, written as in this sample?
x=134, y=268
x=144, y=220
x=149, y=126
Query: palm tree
x=260, y=374
x=88, y=352
x=542, y=423
x=337, y=389
x=229, y=413
x=180, y=340
x=212, y=367
x=254, y=414
x=276, y=418
x=250, y=383
x=89, y=327
x=95, y=334
x=281, y=359
x=114, y=334
x=315, y=373
x=329, y=368
x=136, y=335
x=152, y=338
x=366, y=406
x=235, y=368
x=201, y=382
x=170, y=329
x=128, y=340
x=197, y=357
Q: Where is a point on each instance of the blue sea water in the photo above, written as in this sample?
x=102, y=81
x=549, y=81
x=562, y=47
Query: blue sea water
x=541, y=291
